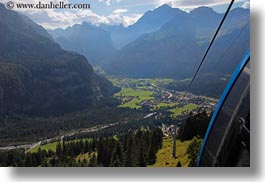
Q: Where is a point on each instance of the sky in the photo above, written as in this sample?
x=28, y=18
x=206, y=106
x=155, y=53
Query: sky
x=113, y=12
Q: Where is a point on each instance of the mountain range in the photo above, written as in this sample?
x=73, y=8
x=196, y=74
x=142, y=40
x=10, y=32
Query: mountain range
x=38, y=77
x=91, y=41
x=99, y=43
x=165, y=42
x=176, y=49
x=150, y=21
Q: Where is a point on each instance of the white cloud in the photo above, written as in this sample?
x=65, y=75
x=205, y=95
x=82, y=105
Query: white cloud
x=130, y=20
x=119, y=11
x=125, y=20
x=191, y=4
x=109, y=2
x=52, y=19
x=65, y=19
x=124, y=14
x=246, y=5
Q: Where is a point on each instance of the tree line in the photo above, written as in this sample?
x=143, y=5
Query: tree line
x=33, y=129
x=133, y=149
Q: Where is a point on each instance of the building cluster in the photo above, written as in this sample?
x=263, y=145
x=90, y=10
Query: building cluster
x=168, y=131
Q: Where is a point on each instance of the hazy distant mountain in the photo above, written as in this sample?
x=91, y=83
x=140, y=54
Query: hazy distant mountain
x=149, y=22
x=98, y=44
x=91, y=41
x=177, y=47
x=37, y=76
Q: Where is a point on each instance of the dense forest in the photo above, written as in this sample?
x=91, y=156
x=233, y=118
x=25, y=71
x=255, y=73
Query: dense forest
x=195, y=126
x=136, y=148
x=132, y=144
x=38, y=77
x=34, y=129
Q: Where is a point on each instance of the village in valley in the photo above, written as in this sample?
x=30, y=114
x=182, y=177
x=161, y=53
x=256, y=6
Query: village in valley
x=152, y=96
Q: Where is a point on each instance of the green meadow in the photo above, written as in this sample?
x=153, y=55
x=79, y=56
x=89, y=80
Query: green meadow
x=186, y=108
x=164, y=155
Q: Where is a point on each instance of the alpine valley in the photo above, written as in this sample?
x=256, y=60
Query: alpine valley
x=108, y=95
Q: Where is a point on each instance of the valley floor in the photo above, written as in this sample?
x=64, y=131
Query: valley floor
x=152, y=95
x=142, y=103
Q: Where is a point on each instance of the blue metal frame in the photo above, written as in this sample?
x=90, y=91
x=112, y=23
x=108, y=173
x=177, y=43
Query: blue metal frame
x=228, y=88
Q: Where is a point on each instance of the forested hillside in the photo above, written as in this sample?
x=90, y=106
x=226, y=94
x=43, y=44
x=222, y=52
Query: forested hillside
x=175, y=50
x=37, y=77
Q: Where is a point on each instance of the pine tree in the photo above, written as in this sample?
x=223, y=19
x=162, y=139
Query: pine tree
x=86, y=148
x=28, y=162
x=193, y=151
x=141, y=158
x=130, y=151
x=93, y=161
x=117, y=159
x=58, y=149
x=151, y=154
x=152, y=149
x=94, y=144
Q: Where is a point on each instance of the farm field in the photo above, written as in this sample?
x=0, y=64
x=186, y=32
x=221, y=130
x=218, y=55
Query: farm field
x=132, y=98
x=132, y=82
x=186, y=108
x=148, y=93
x=151, y=95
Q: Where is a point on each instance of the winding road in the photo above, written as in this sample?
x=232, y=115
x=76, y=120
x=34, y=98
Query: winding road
x=28, y=147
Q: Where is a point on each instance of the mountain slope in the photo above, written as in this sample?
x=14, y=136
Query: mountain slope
x=176, y=49
x=91, y=41
x=149, y=22
x=37, y=77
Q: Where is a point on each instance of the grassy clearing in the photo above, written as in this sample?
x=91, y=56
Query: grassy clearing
x=158, y=81
x=132, y=104
x=82, y=157
x=86, y=156
x=135, y=91
x=163, y=104
x=138, y=95
x=187, y=108
x=164, y=155
x=51, y=146
x=186, y=80
x=138, y=82
x=129, y=92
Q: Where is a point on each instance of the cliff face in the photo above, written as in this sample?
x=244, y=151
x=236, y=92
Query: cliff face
x=38, y=77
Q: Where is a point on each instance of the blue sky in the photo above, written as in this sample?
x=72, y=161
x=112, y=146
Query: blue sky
x=113, y=12
x=105, y=7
